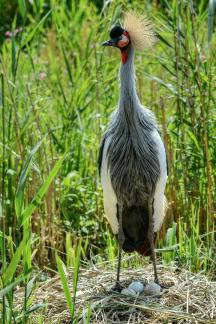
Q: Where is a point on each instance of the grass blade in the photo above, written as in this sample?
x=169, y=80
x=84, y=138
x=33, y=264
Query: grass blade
x=32, y=33
x=9, y=272
x=9, y=287
x=29, y=287
x=13, y=55
x=42, y=191
x=211, y=13
x=19, y=197
x=34, y=308
x=61, y=270
x=22, y=8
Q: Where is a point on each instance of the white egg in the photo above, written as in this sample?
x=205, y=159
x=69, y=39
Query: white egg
x=137, y=286
x=128, y=292
x=152, y=289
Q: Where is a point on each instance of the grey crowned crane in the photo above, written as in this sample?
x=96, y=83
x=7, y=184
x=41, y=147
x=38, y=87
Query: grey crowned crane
x=132, y=157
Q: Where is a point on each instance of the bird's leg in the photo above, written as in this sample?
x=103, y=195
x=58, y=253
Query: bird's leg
x=121, y=239
x=151, y=239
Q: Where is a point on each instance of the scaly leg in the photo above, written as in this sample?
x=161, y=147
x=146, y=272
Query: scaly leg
x=151, y=239
x=121, y=239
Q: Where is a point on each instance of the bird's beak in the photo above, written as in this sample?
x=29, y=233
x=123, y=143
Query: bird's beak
x=111, y=42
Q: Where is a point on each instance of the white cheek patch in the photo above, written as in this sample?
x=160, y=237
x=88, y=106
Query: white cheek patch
x=124, y=41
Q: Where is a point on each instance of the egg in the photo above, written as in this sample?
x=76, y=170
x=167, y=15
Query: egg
x=152, y=289
x=128, y=292
x=137, y=286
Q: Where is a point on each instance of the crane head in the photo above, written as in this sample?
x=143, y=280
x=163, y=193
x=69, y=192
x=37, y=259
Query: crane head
x=137, y=30
x=119, y=38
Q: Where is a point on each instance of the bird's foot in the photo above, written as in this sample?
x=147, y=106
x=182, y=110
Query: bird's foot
x=117, y=288
x=159, y=284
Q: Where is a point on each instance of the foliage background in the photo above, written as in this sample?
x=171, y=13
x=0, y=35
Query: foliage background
x=58, y=89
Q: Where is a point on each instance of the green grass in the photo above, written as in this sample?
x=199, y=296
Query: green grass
x=58, y=88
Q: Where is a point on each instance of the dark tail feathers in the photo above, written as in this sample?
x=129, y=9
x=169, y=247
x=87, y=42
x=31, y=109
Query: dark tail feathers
x=135, y=227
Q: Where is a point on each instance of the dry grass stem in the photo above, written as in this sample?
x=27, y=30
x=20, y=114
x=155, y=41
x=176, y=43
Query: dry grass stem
x=189, y=298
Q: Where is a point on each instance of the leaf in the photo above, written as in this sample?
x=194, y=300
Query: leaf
x=22, y=8
x=211, y=13
x=194, y=139
x=19, y=197
x=76, y=270
x=31, y=34
x=171, y=235
x=42, y=191
x=9, y=287
x=61, y=271
x=34, y=308
x=13, y=55
x=169, y=86
x=67, y=63
x=9, y=272
x=29, y=287
x=162, y=39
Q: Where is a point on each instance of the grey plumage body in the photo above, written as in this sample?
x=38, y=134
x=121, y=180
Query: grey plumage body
x=132, y=158
x=132, y=154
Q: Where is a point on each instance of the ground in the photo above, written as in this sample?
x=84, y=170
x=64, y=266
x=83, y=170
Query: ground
x=189, y=298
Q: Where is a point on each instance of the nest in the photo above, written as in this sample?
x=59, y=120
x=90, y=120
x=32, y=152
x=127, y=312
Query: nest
x=188, y=297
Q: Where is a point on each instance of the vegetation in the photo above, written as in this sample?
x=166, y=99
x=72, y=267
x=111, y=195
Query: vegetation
x=58, y=88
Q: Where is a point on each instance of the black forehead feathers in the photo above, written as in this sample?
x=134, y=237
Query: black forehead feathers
x=116, y=31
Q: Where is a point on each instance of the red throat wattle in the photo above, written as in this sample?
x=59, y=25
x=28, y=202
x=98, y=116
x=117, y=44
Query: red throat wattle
x=124, y=56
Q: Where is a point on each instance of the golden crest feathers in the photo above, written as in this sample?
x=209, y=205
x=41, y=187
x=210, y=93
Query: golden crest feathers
x=140, y=30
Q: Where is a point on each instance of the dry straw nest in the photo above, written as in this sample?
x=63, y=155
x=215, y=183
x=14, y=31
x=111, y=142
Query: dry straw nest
x=189, y=298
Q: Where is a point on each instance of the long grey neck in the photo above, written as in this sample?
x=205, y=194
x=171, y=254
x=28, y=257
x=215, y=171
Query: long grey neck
x=128, y=94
